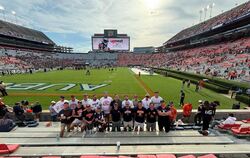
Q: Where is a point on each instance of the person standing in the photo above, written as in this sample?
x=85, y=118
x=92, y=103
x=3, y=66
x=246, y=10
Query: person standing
x=106, y=106
x=126, y=100
x=95, y=102
x=127, y=114
x=207, y=114
x=116, y=118
x=86, y=101
x=53, y=113
x=135, y=100
x=164, y=117
x=151, y=118
x=198, y=116
x=188, y=84
x=73, y=102
x=182, y=97
x=146, y=101
x=65, y=116
x=140, y=113
x=156, y=99
x=116, y=100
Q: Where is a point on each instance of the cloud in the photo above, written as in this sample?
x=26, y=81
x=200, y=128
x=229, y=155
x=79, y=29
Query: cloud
x=72, y=22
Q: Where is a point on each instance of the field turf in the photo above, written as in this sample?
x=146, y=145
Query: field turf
x=121, y=81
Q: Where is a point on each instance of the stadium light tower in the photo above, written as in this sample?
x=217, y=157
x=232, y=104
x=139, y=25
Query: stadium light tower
x=211, y=8
x=2, y=9
x=14, y=14
x=200, y=14
x=205, y=13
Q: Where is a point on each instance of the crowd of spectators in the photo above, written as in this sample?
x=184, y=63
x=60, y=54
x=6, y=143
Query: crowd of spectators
x=220, y=19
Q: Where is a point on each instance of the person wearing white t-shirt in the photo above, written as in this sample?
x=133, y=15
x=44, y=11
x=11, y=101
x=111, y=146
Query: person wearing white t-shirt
x=146, y=101
x=106, y=107
x=59, y=105
x=95, y=102
x=73, y=102
x=156, y=99
x=230, y=120
x=86, y=101
x=126, y=100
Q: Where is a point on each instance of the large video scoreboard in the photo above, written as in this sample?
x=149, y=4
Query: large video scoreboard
x=110, y=41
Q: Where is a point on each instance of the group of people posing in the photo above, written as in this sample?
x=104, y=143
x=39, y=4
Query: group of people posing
x=129, y=114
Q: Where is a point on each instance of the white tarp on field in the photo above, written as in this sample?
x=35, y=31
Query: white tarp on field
x=143, y=72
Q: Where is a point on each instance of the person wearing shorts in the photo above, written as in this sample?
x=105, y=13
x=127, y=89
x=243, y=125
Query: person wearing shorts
x=77, y=116
x=127, y=114
x=88, y=118
x=65, y=116
x=116, y=118
x=151, y=118
x=140, y=113
x=100, y=123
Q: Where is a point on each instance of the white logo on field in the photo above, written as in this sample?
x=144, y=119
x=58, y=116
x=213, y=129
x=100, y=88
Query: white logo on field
x=45, y=86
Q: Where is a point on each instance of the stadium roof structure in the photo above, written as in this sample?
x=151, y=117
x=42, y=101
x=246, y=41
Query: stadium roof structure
x=21, y=32
x=213, y=23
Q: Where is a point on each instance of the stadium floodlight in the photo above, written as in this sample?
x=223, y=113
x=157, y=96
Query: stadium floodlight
x=14, y=13
x=211, y=8
x=205, y=15
x=201, y=11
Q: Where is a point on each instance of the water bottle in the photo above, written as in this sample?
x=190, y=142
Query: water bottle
x=57, y=138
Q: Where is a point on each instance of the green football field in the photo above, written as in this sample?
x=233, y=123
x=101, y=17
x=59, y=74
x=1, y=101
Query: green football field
x=121, y=81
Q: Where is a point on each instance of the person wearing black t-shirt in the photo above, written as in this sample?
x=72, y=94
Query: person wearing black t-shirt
x=116, y=118
x=163, y=117
x=140, y=113
x=116, y=100
x=99, y=119
x=77, y=115
x=198, y=116
x=88, y=118
x=65, y=116
x=151, y=117
x=127, y=113
x=207, y=114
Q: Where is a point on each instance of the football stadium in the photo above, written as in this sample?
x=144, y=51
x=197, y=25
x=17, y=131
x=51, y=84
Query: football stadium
x=125, y=79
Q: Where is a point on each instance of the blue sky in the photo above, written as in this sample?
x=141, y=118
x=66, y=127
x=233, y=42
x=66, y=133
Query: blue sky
x=73, y=22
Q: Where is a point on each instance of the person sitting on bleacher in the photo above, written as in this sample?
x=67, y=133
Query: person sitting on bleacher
x=19, y=112
x=65, y=116
x=6, y=124
x=230, y=119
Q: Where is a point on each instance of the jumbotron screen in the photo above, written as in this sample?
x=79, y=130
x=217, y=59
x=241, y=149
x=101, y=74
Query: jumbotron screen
x=106, y=44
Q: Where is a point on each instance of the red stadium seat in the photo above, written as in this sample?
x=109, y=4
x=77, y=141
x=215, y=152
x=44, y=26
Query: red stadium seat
x=124, y=157
x=89, y=156
x=246, y=121
x=107, y=157
x=7, y=149
x=187, y=156
x=165, y=156
x=207, y=156
x=228, y=126
x=146, y=156
x=241, y=130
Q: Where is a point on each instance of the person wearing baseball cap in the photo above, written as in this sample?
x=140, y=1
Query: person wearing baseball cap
x=146, y=101
x=65, y=116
